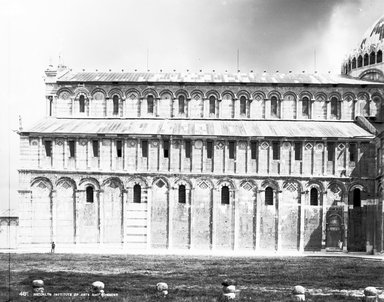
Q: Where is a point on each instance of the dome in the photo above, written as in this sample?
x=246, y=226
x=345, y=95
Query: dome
x=366, y=60
x=374, y=35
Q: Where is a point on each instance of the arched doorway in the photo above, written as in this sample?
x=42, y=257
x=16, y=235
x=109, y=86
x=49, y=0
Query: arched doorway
x=356, y=230
x=335, y=231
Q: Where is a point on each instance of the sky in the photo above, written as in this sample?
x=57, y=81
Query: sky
x=270, y=35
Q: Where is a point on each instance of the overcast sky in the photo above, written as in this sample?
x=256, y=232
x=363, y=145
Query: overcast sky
x=270, y=35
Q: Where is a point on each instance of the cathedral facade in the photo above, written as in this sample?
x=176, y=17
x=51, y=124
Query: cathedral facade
x=206, y=161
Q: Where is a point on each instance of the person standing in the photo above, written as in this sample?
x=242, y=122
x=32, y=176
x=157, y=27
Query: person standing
x=53, y=245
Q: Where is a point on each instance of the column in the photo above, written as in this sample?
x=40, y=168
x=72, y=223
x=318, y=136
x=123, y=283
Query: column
x=191, y=204
x=328, y=109
x=236, y=220
x=76, y=216
x=345, y=216
x=39, y=152
x=65, y=146
x=277, y=220
x=113, y=154
x=53, y=214
x=99, y=196
x=73, y=106
x=171, y=202
x=123, y=218
x=323, y=197
x=215, y=199
x=149, y=204
x=303, y=203
x=257, y=220
x=157, y=102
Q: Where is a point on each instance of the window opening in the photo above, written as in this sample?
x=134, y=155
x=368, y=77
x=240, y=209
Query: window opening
x=231, y=147
x=150, y=104
x=48, y=148
x=119, y=148
x=115, y=105
x=182, y=194
x=166, y=148
x=89, y=193
x=314, y=197
x=224, y=195
x=144, y=148
x=72, y=149
x=209, y=149
x=298, y=151
x=276, y=150
x=137, y=193
x=269, y=196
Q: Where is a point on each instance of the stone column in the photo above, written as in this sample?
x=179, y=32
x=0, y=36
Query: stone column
x=65, y=146
x=345, y=216
x=39, y=152
x=303, y=203
x=149, y=204
x=215, y=199
x=113, y=154
x=99, y=196
x=156, y=105
x=277, y=220
x=235, y=211
x=76, y=217
x=324, y=220
x=257, y=219
x=328, y=109
x=123, y=216
x=171, y=204
x=191, y=204
x=53, y=215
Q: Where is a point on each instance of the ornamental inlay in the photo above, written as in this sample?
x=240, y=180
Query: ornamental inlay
x=198, y=144
x=308, y=146
x=264, y=145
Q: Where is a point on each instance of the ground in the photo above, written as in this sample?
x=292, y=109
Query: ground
x=190, y=278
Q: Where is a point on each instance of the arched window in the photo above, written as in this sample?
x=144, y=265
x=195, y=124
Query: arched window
x=115, y=105
x=274, y=107
x=356, y=198
x=89, y=193
x=137, y=193
x=366, y=58
x=379, y=58
x=150, y=103
x=81, y=103
x=224, y=195
x=372, y=58
x=335, y=112
x=243, y=105
x=305, y=107
x=360, y=61
x=314, y=197
x=269, y=196
x=181, y=104
x=182, y=194
x=353, y=63
x=212, y=105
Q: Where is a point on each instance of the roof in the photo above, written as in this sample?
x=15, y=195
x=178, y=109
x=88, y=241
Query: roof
x=213, y=77
x=216, y=128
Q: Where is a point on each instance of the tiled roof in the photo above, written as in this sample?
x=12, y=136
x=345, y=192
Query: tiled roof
x=213, y=128
x=213, y=77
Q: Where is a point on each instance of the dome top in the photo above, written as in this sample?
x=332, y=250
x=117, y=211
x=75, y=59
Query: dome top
x=374, y=36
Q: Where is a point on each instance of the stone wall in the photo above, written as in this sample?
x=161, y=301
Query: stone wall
x=132, y=101
x=62, y=213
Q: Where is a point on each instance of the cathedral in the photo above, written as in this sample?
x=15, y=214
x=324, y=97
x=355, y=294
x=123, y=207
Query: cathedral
x=209, y=161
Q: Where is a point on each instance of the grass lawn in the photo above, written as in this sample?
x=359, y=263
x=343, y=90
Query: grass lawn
x=133, y=277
